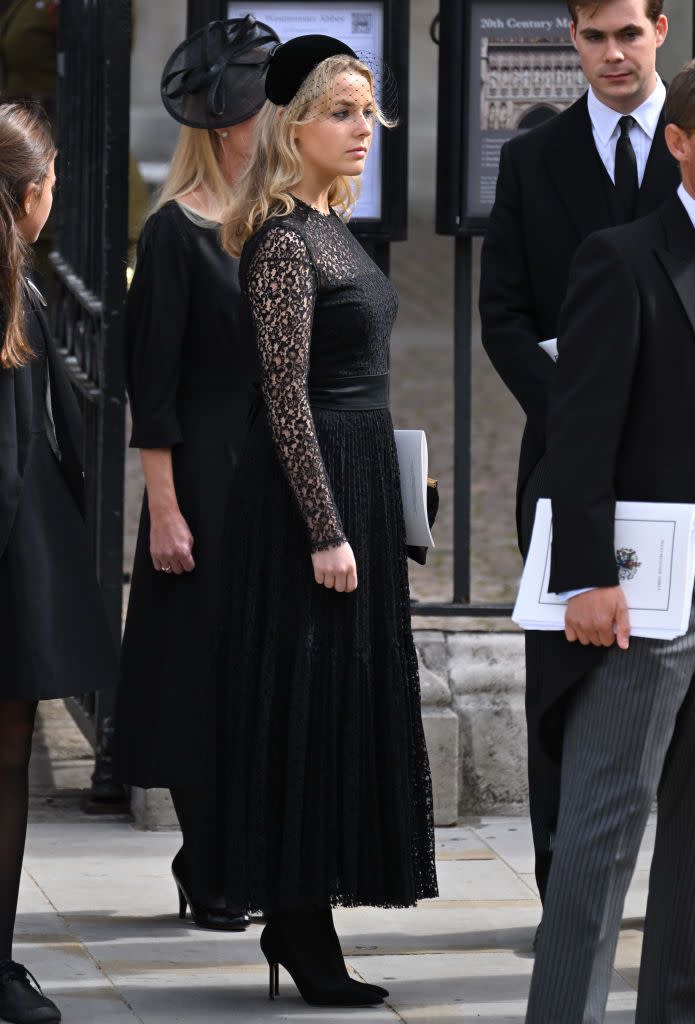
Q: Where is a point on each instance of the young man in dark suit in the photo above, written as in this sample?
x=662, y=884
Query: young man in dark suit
x=601, y=162
x=620, y=427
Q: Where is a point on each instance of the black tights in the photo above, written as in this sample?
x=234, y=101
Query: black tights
x=199, y=819
x=16, y=731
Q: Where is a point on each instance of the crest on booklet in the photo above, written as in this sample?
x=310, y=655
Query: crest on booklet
x=626, y=560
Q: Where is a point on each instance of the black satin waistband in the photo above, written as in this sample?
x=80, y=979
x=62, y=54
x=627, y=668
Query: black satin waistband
x=350, y=393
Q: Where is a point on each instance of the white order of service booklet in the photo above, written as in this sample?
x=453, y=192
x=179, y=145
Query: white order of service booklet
x=549, y=346
x=655, y=555
x=411, y=446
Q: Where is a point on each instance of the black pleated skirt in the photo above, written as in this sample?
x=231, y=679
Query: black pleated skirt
x=54, y=637
x=326, y=780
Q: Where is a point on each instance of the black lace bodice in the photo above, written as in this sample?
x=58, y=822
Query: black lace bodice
x=321, y=309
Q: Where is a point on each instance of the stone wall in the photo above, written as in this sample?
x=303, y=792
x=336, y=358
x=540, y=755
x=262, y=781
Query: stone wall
x=473, y=710
x=160, y=25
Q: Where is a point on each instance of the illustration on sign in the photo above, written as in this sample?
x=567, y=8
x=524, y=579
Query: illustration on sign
x=361, y=26
x=523, y=70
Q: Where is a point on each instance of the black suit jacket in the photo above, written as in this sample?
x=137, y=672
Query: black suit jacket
x=16, y=415
x=552, y=191
x=620, y=422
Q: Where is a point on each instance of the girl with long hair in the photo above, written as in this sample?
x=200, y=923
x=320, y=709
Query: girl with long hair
x=328, y=779
x=53, y=632
x=191, y=387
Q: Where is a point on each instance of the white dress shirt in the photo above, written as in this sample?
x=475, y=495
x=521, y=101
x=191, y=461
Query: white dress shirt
x=606, y=130
x=689, y=204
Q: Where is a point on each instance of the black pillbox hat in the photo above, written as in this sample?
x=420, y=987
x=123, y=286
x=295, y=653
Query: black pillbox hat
x=292, y=63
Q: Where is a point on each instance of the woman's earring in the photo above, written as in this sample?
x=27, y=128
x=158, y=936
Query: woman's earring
x=224, y=134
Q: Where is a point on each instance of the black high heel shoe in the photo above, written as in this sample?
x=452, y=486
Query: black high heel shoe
x=310, y=959
x=217, y=919
x=20, y=1001
x=330, y=930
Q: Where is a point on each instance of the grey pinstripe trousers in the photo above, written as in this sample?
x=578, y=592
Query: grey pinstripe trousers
x=630, y=731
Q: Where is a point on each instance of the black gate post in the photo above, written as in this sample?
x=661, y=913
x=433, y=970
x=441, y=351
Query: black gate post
x=200, y=12
x=116, y=33
x=463, y=301
x=89, y=263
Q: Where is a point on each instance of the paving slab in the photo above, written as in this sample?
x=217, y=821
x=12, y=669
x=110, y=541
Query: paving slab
x=67, y=971
x=98, y=925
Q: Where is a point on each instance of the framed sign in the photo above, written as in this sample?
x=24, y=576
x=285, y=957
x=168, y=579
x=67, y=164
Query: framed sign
x=369, y=26
x=509, y=66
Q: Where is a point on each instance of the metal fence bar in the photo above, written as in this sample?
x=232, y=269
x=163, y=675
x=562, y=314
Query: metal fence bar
x=89, y=260
x=461, y=604
x=462, y=419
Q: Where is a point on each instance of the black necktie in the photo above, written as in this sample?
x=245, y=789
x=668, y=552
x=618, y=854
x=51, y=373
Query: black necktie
x=626, y=180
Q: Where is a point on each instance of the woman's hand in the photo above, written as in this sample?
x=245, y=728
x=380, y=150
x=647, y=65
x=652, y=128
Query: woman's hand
x=336, y=568
x=171, y=542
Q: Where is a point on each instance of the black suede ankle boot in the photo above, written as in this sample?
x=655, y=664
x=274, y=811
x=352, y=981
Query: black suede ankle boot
x=330, y=930
x=302, y=943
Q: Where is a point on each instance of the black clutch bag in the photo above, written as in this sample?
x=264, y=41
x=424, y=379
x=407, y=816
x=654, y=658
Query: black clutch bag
x=419, y=555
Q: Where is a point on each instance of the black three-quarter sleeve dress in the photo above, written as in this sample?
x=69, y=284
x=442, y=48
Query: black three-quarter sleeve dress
x=191, y=387
x=54, y=637
x=328, y=780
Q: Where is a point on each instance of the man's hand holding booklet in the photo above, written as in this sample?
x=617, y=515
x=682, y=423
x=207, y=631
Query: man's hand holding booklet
x=655, y=559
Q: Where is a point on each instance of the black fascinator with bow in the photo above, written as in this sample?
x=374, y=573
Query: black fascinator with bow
x=216, y=78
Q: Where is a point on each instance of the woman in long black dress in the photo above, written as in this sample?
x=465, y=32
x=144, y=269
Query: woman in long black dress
x=190, y=385
x=54, y=637
x=328, y=779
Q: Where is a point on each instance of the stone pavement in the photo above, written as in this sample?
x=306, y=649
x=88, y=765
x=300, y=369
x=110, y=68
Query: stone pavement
x=97, y=923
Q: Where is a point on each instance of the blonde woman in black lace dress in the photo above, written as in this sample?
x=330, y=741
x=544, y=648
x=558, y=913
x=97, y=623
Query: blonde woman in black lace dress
x=328, y=778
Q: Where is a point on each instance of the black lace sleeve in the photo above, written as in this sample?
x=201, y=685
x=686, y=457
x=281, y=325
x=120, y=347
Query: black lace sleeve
x=281, y=286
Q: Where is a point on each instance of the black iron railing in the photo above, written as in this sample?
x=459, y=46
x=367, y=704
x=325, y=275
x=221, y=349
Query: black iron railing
x=89, y=287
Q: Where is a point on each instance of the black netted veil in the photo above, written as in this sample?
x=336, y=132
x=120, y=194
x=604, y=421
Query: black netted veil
x=216, y=78
x=291, y=64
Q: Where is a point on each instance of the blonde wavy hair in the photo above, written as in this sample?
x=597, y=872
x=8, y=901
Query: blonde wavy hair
x=196, y=162
x=276, y=167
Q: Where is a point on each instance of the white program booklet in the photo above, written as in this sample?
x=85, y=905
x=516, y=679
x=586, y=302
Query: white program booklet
x=655, y=555
x=549, y=346
x=411, y=446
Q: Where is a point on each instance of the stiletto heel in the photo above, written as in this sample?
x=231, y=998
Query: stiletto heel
x=314, y=967
x=273, y=980
x=183, y=903
x=213, y=918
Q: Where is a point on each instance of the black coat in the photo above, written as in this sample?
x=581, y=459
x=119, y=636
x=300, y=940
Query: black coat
x=192, y=389
x=54, y=636
x=552, y=192
x=620, y=424
x=16, y=414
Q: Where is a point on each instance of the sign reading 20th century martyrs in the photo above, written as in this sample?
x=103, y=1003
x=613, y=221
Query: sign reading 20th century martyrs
x=522, y=69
